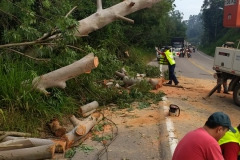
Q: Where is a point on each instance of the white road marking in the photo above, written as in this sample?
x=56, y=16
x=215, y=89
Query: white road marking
x=204, y=56
x=173, y=141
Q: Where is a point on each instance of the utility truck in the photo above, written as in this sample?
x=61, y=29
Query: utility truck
x=227, y=66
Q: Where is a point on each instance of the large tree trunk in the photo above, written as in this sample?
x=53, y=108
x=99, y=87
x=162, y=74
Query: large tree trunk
x=58, y=77
x=105, y=16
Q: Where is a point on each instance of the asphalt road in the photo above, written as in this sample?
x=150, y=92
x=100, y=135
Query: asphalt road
x=198, y=66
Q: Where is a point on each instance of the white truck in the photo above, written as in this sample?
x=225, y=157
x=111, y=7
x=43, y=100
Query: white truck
x=227, y=66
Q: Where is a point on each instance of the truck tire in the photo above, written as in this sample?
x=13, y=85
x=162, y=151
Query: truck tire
x=236, y=95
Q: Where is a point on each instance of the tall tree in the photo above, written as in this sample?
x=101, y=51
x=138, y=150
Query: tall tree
x=212, y=17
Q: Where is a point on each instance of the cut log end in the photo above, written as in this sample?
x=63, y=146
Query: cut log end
x=81, y=130
x=56, y=128
x=60, y=146
x=95, y=61
x=60, y=132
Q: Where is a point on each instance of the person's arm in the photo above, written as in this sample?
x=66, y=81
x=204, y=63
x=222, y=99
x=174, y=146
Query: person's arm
x=157, y=51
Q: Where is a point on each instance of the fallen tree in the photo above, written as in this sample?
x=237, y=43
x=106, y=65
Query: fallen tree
x=99, y=19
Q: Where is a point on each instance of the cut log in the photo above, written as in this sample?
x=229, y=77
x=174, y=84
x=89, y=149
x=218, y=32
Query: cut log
x=56, y=128
x=119, y=74
x=34, y=153
x=43, y=149
x=15, y=144
x=88, y=107
x=81, y=128
x=22, y=142
x=129, y=81
x=59, y=77
x=156, y=83
x=9, y=133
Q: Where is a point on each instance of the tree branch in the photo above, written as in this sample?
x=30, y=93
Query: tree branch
x=125, y=18
x=99, y=5
x=70, y=11
x=37, y=59
x=25, y=43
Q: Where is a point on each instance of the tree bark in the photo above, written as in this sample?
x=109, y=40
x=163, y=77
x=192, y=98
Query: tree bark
x=129, y=81
x=11, y=142
x=42, y=149
x=15, y=144
x=88, y=107
x=105, y=16
x=59, y=77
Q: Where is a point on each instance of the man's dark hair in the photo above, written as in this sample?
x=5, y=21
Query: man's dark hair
x=213, y=125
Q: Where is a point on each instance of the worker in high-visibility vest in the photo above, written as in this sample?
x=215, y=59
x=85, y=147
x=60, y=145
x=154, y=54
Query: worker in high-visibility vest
x=162, y=61
x=230, y=145
x=171, y=66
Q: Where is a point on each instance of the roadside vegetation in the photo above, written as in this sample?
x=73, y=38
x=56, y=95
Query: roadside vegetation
x=206, y=30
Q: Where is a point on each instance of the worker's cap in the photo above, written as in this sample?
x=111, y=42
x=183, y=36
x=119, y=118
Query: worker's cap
x=167, y=47
x=221, y=119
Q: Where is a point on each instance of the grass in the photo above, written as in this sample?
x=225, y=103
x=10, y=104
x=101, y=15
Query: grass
x=231, y=36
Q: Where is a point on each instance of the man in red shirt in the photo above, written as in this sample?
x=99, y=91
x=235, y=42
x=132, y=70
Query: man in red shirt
x=201, y=144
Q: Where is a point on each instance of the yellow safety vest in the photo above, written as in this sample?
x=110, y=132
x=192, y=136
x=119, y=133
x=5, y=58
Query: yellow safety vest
x=163, y=60
x=230, y=137
x=169, y=56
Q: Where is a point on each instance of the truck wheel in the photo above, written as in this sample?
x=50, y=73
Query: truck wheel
x=236, y=95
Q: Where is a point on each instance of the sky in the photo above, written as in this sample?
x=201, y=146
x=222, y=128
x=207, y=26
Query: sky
x=188, y=7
